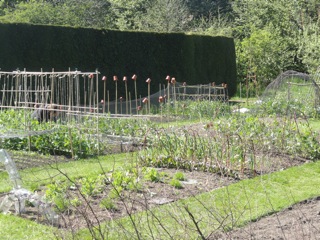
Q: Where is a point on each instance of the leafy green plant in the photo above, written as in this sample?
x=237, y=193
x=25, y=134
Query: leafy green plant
x=179, y=176
x=196, y=109
x=152, y=174
x=56, y=193
x=90, y=186
x=230, y=146
x=72, y=140
x=136, y=186
x=176, y=183
x=293, y=96
x=55, y=189
x=115, y=192
x=122, y=179
x=75, y=202
x=108, y=203
x=125, y=127
x=61, y=203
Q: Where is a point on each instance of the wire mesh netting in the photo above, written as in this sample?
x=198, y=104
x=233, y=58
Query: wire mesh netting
x=291, y=93
x=39, y=110
x=172, y=93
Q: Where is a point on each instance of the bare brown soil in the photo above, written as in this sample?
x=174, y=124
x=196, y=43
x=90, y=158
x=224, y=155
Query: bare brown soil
x=152, y=194
x=301, y=221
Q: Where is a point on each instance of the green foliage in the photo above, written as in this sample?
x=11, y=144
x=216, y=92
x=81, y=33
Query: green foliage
x=152, y=174
x=90, y=186
x=108, y=203
x=75, y=202
x=275, y=36
x=244, y=201
x=35, y=177
x=264, y=54
x=271, y=36
x=207, y=109
x=56, y=193
x=72, y=139
x=127, y=180
x=115, y=192
x=176, y=183
x=112, y=14
x=125, y=127
x=126, y=12
x=165, y=16
x=233, y=144
x=309, y=48
x=121, y=179
x=200, y=8
x=294, y=97
x=179, y=176
x=300, y=183
x=213, y=26
x=57, y=142
x=193, y=110
x=80, y=13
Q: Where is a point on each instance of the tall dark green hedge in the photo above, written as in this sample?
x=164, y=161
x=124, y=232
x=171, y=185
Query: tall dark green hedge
x=192, y=59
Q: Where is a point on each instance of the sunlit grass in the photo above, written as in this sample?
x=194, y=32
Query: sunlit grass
x=13, y=227
x=34, y=177
x=314, y=124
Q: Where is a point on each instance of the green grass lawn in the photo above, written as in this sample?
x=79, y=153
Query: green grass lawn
x=13, y=227
x=315, y=124
x=34, y=177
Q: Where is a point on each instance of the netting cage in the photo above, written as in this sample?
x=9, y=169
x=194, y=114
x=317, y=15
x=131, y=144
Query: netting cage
x=34, y=105
x=291, y=93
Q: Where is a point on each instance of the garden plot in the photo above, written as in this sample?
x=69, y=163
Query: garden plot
x=157, y=187
x=219, y=151
x=154, y=194
x=116, y=194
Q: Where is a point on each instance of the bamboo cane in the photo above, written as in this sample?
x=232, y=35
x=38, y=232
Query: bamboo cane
x=126, y=89
x=104, y=79
x=115, y=79
x=134, y=78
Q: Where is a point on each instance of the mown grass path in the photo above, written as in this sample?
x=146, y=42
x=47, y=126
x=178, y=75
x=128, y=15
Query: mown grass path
x=35, y=177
